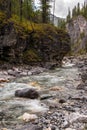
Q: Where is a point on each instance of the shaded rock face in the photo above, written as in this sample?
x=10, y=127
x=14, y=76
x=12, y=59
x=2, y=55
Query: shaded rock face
x=27, y=93
x=49, y=47
x=77, y=30
x=37, y=47
x=11, y=46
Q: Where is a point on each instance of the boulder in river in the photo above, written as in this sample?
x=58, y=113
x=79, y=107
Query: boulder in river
x=84, y=77
x=28, y=117
x=27, y=93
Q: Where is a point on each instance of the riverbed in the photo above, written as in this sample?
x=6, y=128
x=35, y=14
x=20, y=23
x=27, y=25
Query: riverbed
x=58, y=108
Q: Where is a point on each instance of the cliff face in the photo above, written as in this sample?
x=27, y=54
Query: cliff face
x=77, y=30
x=46, y=44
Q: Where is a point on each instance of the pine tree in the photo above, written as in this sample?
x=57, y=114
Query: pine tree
x=45, y=8
x=21, y=9
x=28, y=9
x=74, y=12
x=78, y=9
x=69, y=15
x=6, y=6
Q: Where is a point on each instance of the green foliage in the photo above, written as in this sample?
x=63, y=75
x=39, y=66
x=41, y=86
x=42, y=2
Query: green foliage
x=69, y=16
x=24, y=28
x=62, y=24
x=78, y=9
x=74, y=12
x=25, y=10
x=2, y=16
x=31, y=56
x=22, y=8
x=2, y=19
x=45, y=9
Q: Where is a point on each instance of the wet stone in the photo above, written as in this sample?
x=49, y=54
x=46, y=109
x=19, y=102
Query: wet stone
x=62, y=101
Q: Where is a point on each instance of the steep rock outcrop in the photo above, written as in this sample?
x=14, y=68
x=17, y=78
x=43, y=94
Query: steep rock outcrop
x=77, y=29
x=43, y=44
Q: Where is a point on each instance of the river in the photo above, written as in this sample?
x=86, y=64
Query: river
x=58, y=83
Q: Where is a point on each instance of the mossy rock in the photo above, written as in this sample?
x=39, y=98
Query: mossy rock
x=35, y=42
x=31, y=56
x=3, y=20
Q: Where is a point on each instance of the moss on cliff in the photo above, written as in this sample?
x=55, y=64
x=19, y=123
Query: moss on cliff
x=2, y=19
x=31, y=56
x=36, y=42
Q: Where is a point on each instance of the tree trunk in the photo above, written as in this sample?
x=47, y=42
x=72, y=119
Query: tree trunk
x=21, y=12
x=9, y=9
x=44, y=11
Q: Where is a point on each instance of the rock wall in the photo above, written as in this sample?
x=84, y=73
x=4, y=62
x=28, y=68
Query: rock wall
x=48, y=45
x=77, y=29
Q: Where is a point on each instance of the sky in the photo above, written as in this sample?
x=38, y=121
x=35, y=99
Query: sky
x=61, y=6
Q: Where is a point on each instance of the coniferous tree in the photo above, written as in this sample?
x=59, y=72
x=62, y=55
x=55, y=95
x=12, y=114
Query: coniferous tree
x=74, y=12
x=28, y=9
x=15, y=7
x=78, y=9
x=69, y=15
x=21, y=9
x=6, y=6
x=45, y=8
x=85, y=12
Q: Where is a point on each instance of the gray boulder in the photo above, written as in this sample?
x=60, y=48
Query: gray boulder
x=27, y=93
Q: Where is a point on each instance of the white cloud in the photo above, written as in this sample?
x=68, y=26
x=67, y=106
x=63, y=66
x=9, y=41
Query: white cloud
x=61, y=6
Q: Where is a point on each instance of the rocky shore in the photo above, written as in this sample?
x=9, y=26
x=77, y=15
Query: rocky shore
x=66, y=105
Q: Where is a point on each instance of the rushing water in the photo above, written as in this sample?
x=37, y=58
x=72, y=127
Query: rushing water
x=45, y=80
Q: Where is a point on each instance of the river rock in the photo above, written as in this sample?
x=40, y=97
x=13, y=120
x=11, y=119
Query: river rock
x=84, y=77
x=24, y=73
x=3, y=80
x=2, y=115
x=28, y=117
x=27, y=93
x=45, y=96
x=12, y=72
x=77, y=117
x=35, y=84
x=82, y=86
x=62, y=101
x=4, y=129
x=69, y=129
x=1, y=85
x=30, y=127
x=48, y=128
x=56, y=88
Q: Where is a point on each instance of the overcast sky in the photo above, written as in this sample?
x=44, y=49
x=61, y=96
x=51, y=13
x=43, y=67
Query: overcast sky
x=61, y=6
